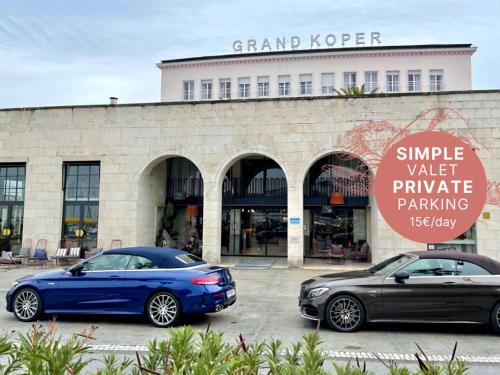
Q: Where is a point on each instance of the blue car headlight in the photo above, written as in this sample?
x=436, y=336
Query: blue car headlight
x=316, y=292
x=14, y=284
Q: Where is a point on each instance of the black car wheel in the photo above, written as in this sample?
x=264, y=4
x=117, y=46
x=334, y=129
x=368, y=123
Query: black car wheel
x=345, y=313
x=27, y=305
x=163, y=310
x=495, y=318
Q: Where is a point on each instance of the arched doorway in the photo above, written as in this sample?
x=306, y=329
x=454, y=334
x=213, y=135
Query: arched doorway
x=254, y=208
x=171, y=204
x=336, y=209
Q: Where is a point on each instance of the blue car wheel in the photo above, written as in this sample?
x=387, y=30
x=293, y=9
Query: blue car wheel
x=163, y=310
x=27, y=305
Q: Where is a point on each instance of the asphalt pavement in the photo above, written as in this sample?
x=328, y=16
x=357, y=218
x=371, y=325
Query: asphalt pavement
x=267, y=307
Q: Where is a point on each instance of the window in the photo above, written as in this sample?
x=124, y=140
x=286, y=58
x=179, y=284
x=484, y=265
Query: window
x=206, y=90
x=188, y=90
x=436, y=80
x=414, y=80
x=370, y=82
x=263, y=86
x=225, y=88
x=107, y=262
x=12, y=187
x=327, y=83
x=392, y=81
x=140, y=263
x=444, y=267
x=284, y=85
x=81, y=201
x=244, y=87
x=305, y=84
x=349, y=79
x=189, y=259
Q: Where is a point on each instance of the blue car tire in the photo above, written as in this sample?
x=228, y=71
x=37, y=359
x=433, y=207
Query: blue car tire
x=163, y=309
x=27, y=305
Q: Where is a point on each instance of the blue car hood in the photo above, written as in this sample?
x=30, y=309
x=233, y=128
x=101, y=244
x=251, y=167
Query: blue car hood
x=45, y=275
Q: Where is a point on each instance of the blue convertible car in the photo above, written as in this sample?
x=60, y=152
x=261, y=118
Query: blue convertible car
x=161, y=283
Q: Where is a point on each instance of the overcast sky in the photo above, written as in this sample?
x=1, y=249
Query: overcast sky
x=61, y=52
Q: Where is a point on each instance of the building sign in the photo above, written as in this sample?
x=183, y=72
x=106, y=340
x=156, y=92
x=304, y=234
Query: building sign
x=295, y=220
x=314, y=41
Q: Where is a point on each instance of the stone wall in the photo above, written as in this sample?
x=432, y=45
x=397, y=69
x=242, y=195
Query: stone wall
x=131, y=140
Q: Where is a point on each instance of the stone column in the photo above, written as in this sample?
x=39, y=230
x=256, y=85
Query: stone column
x=212, y=221
x=295, y=225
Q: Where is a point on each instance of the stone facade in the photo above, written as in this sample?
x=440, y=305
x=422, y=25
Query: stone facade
x=131, y=140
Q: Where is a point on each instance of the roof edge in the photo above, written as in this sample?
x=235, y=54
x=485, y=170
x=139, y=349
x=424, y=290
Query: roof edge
x=319, y=50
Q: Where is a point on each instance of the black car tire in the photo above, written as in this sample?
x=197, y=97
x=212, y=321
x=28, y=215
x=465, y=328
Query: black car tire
x=495, y=319
x=163, y=309
x=345, y=313
x=27, y=305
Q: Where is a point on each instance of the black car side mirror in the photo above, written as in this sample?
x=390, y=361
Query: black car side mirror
x=76, y=270
x=401, y=276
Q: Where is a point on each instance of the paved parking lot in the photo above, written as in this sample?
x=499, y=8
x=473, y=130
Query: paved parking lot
x=267, y=308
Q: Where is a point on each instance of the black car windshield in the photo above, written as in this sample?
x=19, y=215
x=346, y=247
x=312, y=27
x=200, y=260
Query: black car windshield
x=391, y=264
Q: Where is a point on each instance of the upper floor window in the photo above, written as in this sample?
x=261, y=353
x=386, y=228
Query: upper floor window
x=305, y=84
x=263, y=86
x=82, y=182
x=370, y=82
x=284, y=85
x=206, y=89
x=244, y=87
x=392, y=81
x=188, y=90
x=349, y=79
x=436, y=80
x=327, y=83
x=414, y=80
x=225, y=88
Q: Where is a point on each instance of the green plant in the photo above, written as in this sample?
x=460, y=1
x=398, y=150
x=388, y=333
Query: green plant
x=113, y=366
x=7, y=349
x=355, y=91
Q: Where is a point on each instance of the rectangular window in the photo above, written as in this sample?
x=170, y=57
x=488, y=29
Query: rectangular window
x=436, y=80
x=284, y=85
x=244, y=87
x=392, y=81
x=188, y=90
x=349, y=79
x=206, y=89
x=12, y=187
x=371, y=83
x=327, y=84
x=263, y=86
x=414, y=80
x=81, y=201
x=305, y=84
x=225, y=88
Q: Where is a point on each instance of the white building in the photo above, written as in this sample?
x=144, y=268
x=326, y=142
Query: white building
x=247, y=177
x=392, y=69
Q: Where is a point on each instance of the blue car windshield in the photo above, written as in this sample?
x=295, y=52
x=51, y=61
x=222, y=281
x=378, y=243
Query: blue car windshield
x=391, y=264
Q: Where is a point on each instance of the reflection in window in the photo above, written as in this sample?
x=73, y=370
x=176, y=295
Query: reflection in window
x=11, y=205
x=81, y=201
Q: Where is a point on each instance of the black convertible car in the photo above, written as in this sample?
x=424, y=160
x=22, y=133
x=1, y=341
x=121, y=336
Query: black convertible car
x=426, y=286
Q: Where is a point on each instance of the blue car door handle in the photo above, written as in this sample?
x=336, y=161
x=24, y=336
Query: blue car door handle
x=114, y=277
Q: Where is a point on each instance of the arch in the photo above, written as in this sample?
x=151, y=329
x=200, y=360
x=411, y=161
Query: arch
x=322, y=154
x=158, y=158
x=228, y=162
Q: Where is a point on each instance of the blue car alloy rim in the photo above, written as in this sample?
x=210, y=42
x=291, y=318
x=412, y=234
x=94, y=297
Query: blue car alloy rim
x=163, y=309
x=345, y=314
x=26, y=304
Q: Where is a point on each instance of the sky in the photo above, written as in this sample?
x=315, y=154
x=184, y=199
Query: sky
x=67, y=52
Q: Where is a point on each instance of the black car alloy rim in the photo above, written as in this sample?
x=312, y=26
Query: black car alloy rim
x=163, y=309
x=345, y=313
x=498, y=317
x=26, y=304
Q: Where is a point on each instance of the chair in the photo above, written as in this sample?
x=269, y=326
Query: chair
x=24, y=253
x=115, y=244
x=62, y=251
x=337, y=252
x=40, y=244
x=41, y=258
x=364, y=252
x=74, y=247
x=8, y=259
x=322, y=249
